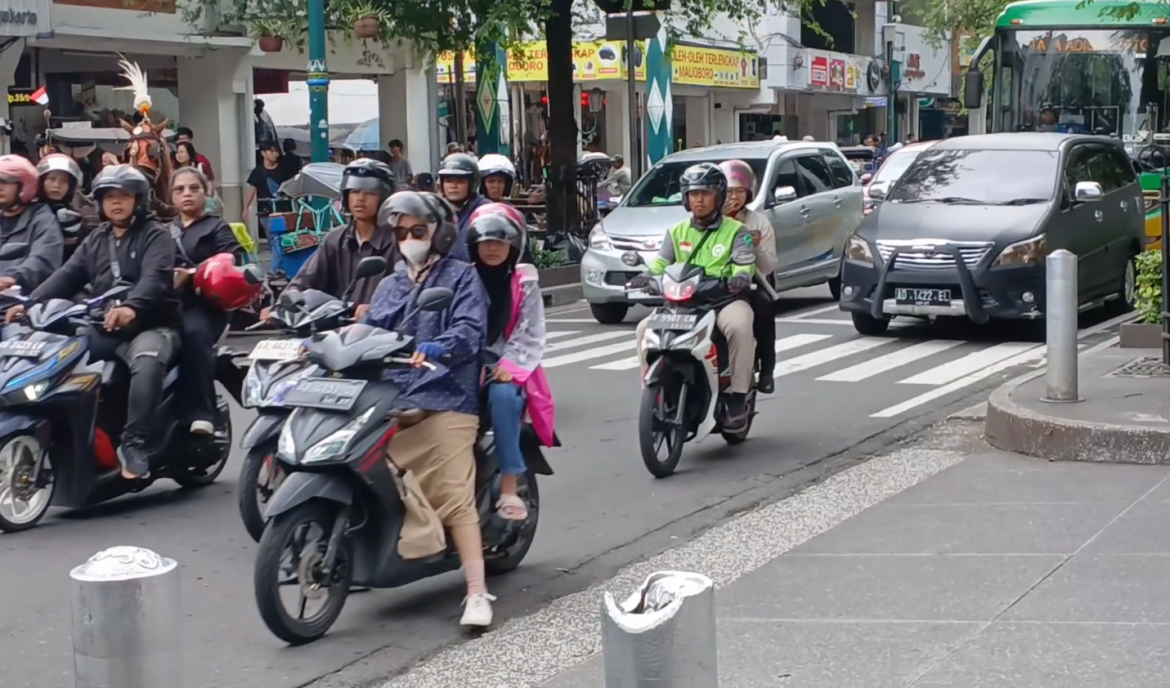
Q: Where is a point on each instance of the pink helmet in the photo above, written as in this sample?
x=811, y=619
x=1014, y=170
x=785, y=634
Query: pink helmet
x=739, y=176
x=17, y=170
x=505, y=209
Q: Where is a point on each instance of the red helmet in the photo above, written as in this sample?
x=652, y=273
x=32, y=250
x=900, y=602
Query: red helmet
x=228, y=287
x=16, y=170
x=505, y=209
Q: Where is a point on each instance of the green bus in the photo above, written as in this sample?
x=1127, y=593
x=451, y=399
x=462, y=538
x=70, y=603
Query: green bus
x=1060, y=67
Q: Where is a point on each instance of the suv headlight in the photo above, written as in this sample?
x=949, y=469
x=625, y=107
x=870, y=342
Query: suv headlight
x=335, y=445
x=857, y=250
x=598, y=240
x=1026, y=252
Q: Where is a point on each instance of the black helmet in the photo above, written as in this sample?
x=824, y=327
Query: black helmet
x=124, y=178
x=365, y=174
x=496, y=227
x=430, y=208
x=705, y=176
x=463, y=166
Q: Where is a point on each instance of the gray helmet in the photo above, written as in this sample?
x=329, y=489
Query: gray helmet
x=704, y=176
x=366, y=174
x=430, y=208
x=462, y=166
x=124, y=178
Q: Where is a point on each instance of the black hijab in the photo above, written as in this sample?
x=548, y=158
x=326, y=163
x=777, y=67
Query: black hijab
x=497, y=282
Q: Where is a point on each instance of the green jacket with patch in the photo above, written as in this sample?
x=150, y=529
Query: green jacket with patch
x=726, y=252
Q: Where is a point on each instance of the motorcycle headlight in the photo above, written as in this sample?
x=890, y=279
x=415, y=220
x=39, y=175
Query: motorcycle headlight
x=35, y=390
x=335, y=445
x=286, y=447
x=1027, y=252
x=599, y=240
x=857, y=250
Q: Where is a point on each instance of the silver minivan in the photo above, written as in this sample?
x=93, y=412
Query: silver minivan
x=807, y=189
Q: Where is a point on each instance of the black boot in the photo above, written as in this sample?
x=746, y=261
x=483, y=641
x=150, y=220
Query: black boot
x=767, y=383
x=736, y=410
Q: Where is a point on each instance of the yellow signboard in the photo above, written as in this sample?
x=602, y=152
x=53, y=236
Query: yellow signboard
x=592, y=61
x=445, y=67
x=714, y=67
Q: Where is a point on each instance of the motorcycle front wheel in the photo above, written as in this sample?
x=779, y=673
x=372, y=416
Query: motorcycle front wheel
x=662, y=425
x=22, y=503
x=291, y=558
x=260, y=475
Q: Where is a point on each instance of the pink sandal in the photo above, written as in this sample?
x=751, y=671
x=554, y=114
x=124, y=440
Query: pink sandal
x=512, y=508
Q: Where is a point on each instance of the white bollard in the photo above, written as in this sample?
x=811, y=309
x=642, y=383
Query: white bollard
x=1060, y=314
x=662, y=636
x=127, y=620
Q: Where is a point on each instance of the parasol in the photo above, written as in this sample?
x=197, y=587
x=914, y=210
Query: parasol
x=315, y=179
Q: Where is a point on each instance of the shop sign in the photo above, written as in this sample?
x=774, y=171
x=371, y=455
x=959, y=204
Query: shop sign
x=592, y=61
x=445, y=67
x=25, y=17
x=926, y=67
x=844, y=73
x=714, y=67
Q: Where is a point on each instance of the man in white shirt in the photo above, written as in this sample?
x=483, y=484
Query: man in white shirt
x=618, y=182
x=741, y=188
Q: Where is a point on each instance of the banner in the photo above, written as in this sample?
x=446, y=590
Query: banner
x=592, y=61
x=445, y=67
x=714, y=67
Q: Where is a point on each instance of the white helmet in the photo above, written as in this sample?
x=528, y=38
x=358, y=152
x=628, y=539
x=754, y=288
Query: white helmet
x=493, y=164
x=59, y=162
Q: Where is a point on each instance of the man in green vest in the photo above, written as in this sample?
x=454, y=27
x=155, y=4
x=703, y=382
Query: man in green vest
x=723, y=248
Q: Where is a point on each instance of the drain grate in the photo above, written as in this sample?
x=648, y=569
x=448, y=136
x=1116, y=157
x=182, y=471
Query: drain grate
x=1146, y=366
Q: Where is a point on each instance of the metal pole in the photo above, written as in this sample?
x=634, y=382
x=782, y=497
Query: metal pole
x=127, y=620
x=1164, y=204
x=1061, y=316
x=663, y=635
x=635, y=161
x=317, y=80
x=460, y=103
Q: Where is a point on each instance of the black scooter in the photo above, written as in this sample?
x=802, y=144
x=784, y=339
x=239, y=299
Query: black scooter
x=276, y=367
x=336, y=521
x=57, y=438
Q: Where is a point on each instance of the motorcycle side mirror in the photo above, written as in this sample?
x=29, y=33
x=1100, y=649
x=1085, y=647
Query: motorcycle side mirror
x=252, y=274
x=68, y=217
x=368, y=267
x=435, y=299
x=291, y=298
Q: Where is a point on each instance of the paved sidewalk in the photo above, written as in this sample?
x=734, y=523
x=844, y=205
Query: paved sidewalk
x=1123, y=417
x=1001, y=571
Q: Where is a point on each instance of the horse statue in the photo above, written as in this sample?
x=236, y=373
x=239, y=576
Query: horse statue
x=147, y=150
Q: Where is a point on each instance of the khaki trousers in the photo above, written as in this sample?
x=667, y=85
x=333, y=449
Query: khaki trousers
x=440, y=451
x=735, y=322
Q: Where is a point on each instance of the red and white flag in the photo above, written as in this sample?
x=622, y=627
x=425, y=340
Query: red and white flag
x=40, y=96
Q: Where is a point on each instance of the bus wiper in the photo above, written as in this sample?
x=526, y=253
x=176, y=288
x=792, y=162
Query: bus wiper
x=1024, y=201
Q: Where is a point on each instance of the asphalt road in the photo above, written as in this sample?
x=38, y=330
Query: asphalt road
x=837, y=392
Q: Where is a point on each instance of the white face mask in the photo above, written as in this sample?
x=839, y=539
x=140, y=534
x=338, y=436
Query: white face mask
x=415, y=250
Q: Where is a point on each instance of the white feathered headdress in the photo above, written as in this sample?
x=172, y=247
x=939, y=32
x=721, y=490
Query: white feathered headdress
x=137, y=79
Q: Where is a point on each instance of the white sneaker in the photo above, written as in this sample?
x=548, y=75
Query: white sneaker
x=477, y=610
x=202, y=427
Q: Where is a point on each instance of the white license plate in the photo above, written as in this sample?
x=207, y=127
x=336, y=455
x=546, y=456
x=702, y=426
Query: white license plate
x=21, y=347
x=276, y=350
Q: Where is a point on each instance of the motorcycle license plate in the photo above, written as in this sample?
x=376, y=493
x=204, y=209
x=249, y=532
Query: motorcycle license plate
x=276, y=350
x=325, y=393
x=23, y=348
x=672, y=321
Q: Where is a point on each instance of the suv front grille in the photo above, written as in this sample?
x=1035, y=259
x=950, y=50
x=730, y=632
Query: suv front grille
x=629, y=244
x=917, y=255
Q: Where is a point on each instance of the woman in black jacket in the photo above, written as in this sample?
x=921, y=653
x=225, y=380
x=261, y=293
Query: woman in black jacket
x=198, y=236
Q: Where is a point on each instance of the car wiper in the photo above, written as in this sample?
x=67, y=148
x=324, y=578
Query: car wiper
x=949, y=200
x=1024, y=201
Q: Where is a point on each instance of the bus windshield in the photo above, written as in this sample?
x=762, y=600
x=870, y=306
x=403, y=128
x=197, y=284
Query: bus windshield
x=1074, y=80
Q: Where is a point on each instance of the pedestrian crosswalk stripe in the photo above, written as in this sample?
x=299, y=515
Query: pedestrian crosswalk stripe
x=620, y=364
x=816, y=358
x=896, y=359
x=557, y=334
x=588, y=354
x=962, y=367
x=794, y=342
x=1035, y=353
x=589, y=339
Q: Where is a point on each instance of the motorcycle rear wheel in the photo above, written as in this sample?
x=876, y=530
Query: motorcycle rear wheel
x=284, y=531
x=737, y=437
x=509, y=559
x=16, y=452
x=202, y=477
x=659, y=403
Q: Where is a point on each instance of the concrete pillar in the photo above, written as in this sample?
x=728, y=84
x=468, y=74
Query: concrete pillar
x=724, y=122
x=698, y=121
x=404, y=114
x=617, y=124
x=215, y=103
x=9, y=59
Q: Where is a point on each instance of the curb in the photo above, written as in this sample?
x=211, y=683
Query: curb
x=561, y=296
x=1011, y=427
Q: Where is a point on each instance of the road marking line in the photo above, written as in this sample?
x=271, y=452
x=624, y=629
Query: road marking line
x=815, y=311
x=589, y=339
x=961, y=367
x=896, y=359
x=816, y=358
x=587, y=354
x=815, y=321
x=557, y=334
x=581, y=321
x=785, y=344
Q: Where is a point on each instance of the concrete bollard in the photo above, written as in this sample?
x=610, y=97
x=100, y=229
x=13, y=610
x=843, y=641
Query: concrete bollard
x=127, y=620
x=1060, y=316
x=662, y=636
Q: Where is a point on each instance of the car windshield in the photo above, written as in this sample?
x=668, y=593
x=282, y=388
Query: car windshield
x=659, y=186
x=976, y=177
x=895, y=166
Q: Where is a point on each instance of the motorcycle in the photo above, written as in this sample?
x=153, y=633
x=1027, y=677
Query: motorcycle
x=58, y=438
x=335, y=522
x=276, y=367
x=685, y=390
